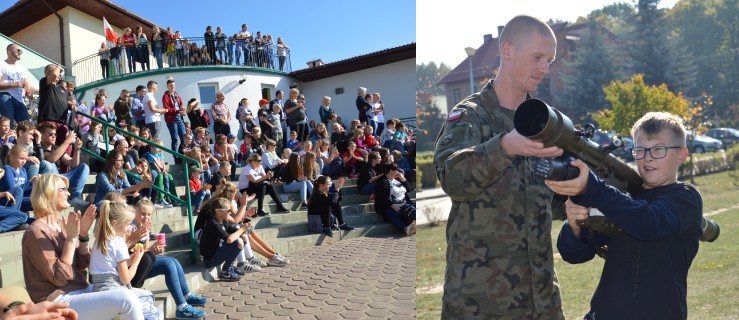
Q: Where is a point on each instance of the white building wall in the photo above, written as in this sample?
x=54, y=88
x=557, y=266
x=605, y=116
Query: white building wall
x=396, y=82
x=188, y=87
x=85, y=34
x=82, y=32
x=42, y=37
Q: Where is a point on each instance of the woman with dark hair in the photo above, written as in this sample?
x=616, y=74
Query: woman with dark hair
x=294, y=180
x=368, y=175
x=197, y=115
x=157, y=45
x=113, y=179
x=392, y=201
x=324, y=202
x=142, y=49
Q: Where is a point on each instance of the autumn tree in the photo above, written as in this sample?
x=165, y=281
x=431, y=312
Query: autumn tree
x=429, y=120
x=632, y=99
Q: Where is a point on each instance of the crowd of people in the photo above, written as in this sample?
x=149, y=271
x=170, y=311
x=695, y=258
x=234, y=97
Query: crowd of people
x=136, y=49
x=44, y=171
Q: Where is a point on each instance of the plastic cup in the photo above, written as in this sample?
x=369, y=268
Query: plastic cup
x=162, y=239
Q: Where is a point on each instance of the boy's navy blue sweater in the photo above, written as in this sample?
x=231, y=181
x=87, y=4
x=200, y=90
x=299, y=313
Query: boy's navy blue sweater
x=646, y=270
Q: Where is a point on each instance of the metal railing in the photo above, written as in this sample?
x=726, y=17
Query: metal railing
x=183, y=52
x=410, y=122
x=187, y=203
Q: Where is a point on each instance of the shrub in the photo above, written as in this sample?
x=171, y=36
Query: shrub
x=426, y=170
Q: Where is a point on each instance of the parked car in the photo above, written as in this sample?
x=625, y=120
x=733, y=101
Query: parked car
x=728, y=136
x=605, y=140
x=702, y=143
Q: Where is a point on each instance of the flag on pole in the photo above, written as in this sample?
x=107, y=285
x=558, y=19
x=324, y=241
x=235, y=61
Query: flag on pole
x=110, y=36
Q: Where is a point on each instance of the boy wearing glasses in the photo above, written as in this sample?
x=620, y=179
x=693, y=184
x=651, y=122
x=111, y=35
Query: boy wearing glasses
x=645, y=273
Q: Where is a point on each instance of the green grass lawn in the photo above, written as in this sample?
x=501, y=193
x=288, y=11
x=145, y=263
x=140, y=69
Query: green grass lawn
x=713, y=284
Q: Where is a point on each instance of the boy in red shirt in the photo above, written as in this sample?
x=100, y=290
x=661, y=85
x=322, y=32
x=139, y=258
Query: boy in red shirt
x=199, y=192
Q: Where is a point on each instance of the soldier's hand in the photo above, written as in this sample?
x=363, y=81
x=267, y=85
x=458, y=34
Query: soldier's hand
x=575, y=213
x=514, y=144
x=574, y=187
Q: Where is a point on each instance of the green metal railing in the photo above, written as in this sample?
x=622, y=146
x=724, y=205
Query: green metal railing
x=187, y=203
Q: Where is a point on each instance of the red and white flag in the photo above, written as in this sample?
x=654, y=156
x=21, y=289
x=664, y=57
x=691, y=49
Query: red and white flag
x=110, y=35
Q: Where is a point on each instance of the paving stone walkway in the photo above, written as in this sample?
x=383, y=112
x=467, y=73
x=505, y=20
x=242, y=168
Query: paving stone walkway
x=361, y=278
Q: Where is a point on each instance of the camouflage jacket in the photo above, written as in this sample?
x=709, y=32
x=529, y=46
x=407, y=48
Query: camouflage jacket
x=499, y=254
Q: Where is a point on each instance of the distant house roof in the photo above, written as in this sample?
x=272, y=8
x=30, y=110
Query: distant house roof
x=357, y=63
x=27, y=12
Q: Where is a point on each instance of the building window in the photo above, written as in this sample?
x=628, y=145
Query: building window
x=207, y=93
x=456, y=95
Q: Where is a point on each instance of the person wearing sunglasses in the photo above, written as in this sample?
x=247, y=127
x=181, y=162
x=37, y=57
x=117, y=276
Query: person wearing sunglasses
x=56, y=156
x=645, y=275
x=14, y=80
x=253, y=180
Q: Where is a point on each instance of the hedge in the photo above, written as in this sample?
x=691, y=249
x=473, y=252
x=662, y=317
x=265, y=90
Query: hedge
x=426, y=171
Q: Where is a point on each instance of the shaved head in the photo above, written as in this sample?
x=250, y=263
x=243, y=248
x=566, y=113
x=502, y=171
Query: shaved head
x=521, y=27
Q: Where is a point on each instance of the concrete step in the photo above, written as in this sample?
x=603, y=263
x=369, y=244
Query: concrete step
x=11, y=269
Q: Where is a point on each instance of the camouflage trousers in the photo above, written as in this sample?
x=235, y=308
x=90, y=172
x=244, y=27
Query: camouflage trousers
x=451, y=313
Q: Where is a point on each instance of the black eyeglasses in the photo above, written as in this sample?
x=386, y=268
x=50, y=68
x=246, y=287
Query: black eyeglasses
x=655, y=152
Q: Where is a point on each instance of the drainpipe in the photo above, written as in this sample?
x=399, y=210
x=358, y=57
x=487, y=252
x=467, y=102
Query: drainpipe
x=61, y=30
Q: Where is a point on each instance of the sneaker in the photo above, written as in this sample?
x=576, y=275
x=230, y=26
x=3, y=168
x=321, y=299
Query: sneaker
x=256, y=262
x=410, y=229
x=335, y=227
x=189, y=312
x=158, y=206
x=237, y=270
x=327, y=231
x=246, y=267
x=227, y=275
x=276, y=261
x=78, y=202
x=196, y=300
x=262, y=213
x=303, y=206
x=345, y=227
x=166, y=204
x=281, y=257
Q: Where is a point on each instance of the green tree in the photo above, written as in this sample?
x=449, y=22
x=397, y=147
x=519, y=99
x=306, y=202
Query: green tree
x=591, y=68
x=615, y=17
x=427, y=75
x=632, y=99
x=655, y=54
x=429, y=121
x=709, y=31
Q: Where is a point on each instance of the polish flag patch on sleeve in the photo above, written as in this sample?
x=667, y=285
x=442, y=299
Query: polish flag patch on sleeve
x=454, y=116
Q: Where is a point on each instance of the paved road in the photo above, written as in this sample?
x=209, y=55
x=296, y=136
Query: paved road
x=361, y=278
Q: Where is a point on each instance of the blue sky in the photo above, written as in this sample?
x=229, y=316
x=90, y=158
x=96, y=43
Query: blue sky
x=329, y=30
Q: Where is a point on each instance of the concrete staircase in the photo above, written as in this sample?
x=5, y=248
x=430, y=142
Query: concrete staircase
x=285, y=233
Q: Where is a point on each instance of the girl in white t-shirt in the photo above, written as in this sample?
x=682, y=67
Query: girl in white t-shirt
x=111, y=267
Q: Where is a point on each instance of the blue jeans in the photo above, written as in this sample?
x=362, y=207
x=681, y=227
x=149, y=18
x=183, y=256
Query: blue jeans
x=77, y=178
x=32, y=169
x=197, y=198
x=226, y=253
x=368, y=188
x=13, y=109
x=373, y=124
x=21, y=203
x=11, y=218
x=176, y=132
x=395, y=218
x=174, y=277
x=304, y=187
x=158, y=55
x=154, y=127
x=130, y=52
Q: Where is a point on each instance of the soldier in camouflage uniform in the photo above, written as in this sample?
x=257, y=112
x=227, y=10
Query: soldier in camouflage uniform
x=499, y=254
